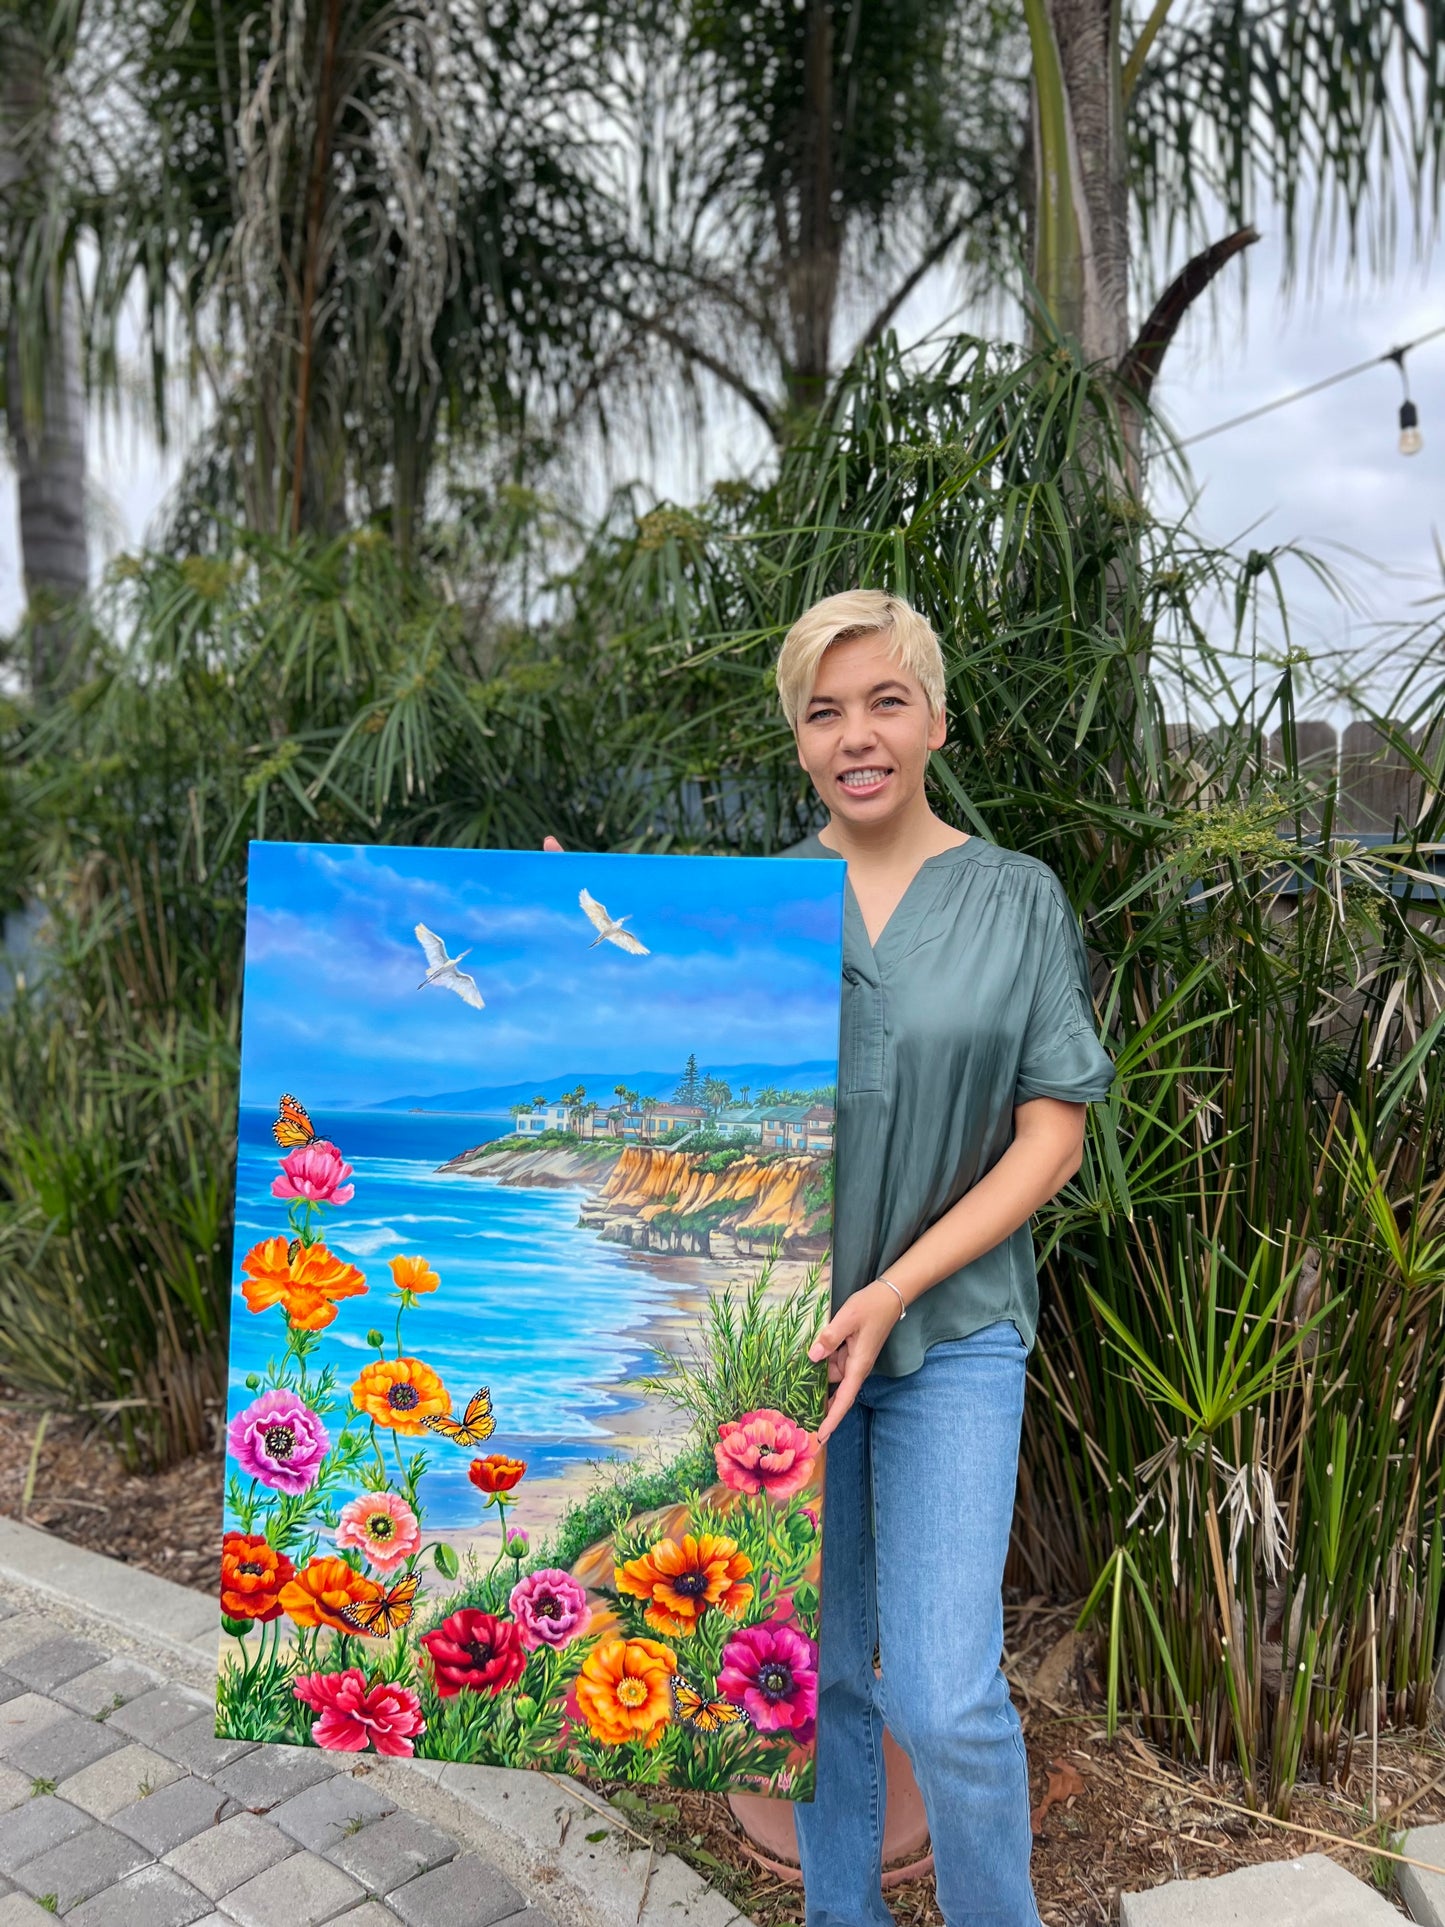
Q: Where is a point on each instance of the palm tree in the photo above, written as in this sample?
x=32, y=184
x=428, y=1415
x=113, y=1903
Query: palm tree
x=1204, y=104
x=799, y=168
x=715, y=1093
x=39, y=327
x=370, y=222
x=832, y=142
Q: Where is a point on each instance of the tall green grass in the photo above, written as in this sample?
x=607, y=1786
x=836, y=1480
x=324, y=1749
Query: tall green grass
x=752, y=1351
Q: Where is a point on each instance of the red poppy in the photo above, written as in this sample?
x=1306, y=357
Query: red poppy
x=496, y=1472
x=252, y=1575
x=354, y=1715
x=475, y=1652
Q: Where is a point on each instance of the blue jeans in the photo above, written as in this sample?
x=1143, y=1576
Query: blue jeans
x=917, y=1508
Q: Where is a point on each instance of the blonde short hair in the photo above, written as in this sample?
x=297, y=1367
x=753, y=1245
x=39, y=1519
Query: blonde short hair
x=857, y=612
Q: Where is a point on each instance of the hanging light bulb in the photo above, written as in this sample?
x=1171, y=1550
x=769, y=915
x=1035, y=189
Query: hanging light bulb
x=1411, y=440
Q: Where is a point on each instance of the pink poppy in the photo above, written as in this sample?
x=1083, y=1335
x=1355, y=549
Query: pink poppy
x=550, y=1608
x=771, y=1671
x=381, y=1526
x=279, y=1441
x=765, y=1452
x=354, y=1715
x=316, y=1173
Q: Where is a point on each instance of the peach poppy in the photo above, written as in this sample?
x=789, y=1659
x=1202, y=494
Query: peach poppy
x=765, y=1451
x=680, y=1582
x=414, y=1275
x=624, y=1690
x=400, y=1392
x=305, y=1280
x=316, y=1596
x=381, y=1526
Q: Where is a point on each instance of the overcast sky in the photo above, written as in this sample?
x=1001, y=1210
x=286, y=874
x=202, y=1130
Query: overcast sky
x=1325, y=473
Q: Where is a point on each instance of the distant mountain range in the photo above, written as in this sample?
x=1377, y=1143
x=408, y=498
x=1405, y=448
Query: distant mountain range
x=496, y=1099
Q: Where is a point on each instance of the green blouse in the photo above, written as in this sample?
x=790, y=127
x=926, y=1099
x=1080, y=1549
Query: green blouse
x=974, y=999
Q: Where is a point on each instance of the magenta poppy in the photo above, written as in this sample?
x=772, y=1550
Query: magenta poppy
x=771, y=1672
x=550, y=1607
x=280, y=1441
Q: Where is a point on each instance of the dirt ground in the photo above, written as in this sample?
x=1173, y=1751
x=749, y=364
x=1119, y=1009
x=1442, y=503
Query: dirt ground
x=1109, y=1817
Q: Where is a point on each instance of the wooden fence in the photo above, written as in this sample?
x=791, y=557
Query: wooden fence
x=1377, y=786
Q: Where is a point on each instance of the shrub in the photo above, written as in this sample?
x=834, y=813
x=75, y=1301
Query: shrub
x=753, y=1352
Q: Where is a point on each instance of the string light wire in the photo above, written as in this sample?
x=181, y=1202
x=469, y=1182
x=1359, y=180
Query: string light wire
x=1282, y=401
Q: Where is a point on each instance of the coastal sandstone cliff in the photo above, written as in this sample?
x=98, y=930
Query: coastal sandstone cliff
x=654, y=1199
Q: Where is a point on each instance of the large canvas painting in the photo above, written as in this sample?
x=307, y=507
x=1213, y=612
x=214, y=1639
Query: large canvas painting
x=533, y=1208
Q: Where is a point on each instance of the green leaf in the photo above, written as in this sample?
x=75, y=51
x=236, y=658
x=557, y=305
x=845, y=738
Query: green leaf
x=446, y=1562
x=599, y=1833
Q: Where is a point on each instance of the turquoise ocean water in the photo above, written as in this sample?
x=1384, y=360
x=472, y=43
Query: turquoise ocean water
x=550, y=1356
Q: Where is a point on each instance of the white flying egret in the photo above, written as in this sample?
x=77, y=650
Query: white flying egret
x=609, y=928
x=442, y=969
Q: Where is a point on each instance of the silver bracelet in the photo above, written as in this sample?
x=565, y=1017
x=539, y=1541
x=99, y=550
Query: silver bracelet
x=902, y=1308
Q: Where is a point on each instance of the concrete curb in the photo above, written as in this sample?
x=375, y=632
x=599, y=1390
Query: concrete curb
x=132, y=1600
x=533, y=1826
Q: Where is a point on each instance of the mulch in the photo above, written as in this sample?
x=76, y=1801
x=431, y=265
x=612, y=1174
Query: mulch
x=1111, y=1817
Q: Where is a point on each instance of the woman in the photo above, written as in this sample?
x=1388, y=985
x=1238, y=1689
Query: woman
x=968, y=1054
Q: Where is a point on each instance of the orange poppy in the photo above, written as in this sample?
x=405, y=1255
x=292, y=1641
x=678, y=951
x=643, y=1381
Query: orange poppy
x=402, y=1393
x=317, y=1594
x=305, y=1280
x=252, y=1576
x=496, y=1472
x=414, y=1275
x=682, y=1581
x=623, y=1690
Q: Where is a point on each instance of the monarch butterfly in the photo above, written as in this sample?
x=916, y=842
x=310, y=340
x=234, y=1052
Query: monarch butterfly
x=378, y=1618
x=708, y=1716
x=475, y=1424
x=293, y=1126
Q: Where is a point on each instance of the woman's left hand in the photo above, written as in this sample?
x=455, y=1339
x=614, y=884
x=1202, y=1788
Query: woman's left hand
x=851, y=1341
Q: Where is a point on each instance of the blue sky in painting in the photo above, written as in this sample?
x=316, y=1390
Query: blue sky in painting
x=744, y=967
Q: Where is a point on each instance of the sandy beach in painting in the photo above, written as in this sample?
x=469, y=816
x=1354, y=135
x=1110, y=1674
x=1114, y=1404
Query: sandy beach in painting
x=649, y=1433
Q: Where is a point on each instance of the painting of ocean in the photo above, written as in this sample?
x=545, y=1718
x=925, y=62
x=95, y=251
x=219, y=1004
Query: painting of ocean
x=533, y=1303
x=533, y=1207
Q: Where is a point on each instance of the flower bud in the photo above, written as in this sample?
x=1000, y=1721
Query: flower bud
x=375, y=1340
x=253, y=1380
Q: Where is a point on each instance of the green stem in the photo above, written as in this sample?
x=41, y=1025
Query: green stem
x=500, y=1503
